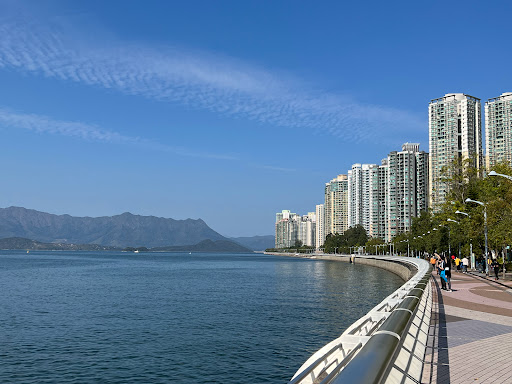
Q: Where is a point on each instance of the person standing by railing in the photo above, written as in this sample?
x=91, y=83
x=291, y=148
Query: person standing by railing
x=448, y=275
x=438, y=262
x=441, y=265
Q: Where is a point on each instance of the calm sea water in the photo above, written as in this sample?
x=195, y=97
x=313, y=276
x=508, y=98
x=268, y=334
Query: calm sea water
x=85, y=317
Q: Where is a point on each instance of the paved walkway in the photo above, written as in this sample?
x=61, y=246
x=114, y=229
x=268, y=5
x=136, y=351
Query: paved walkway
x=470, y=338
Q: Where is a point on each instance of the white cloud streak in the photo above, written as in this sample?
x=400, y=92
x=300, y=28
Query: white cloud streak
x=88, y=132
x=196, y=80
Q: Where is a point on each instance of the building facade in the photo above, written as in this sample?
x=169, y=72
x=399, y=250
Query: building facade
x=498, y=129
x=286, y=229
x=363, y=185
x=320, y=226
x=382, y=203
x=292, y=229
x=307, y=229
x=455, y=133
x=407, y=188
x=336, y=205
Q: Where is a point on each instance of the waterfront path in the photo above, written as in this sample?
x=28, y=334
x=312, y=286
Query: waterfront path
x=470, y=337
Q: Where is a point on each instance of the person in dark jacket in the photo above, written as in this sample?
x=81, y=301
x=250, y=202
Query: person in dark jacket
x=496, y=266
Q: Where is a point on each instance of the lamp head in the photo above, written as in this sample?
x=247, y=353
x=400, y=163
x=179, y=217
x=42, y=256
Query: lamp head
x=468, y=200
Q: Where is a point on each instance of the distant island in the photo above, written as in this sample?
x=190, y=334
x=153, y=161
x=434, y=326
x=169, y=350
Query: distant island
x=14, y=243
x=20, y=243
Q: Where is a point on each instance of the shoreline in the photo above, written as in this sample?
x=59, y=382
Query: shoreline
x=403, y=271
x=372, y=347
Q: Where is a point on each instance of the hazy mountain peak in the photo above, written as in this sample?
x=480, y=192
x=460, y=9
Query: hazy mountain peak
x=121, y=230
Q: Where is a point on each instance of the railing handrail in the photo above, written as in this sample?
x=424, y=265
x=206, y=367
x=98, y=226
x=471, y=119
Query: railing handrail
x=377, y=351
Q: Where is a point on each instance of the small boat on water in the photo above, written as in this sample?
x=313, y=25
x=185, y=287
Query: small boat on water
x=136, y=251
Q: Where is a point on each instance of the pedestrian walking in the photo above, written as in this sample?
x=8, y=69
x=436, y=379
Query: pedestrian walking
x=465, y=264
x=457, y=263
x=433, y=261
x=496, y=266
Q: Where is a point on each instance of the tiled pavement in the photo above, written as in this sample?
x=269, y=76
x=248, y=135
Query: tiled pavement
x=470, y=337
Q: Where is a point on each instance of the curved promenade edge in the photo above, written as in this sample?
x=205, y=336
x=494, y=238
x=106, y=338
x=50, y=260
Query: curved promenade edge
x=389, y=343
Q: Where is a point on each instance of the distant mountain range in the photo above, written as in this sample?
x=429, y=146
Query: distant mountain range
x=206, y=246
x=125, y=230
x=256, y=243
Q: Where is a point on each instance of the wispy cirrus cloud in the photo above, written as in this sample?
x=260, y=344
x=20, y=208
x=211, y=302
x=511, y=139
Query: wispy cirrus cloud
x=194, y=79
x=46, y=125
x=275, y=168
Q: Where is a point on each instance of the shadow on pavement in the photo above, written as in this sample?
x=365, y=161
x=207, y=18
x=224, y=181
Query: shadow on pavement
x=441, y=342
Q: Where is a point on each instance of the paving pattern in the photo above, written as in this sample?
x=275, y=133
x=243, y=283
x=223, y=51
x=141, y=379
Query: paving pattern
x=470, y=337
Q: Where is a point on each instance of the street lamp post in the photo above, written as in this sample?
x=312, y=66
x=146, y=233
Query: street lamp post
x=468, y=200
x=471, y=256
x=494, y=173
x=449, y=245
x=455, y=221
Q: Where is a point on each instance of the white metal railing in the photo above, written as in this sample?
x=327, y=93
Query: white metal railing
x=324, y=365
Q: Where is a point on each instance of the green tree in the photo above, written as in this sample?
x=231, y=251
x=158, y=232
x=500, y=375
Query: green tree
x=352, y=237
x=371, y=244
x=333, y=241
x=355, y=236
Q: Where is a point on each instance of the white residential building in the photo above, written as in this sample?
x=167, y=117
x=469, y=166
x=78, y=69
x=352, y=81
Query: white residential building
x=286, y=229
x=382, y=178
x=363, y=184
x=307, y=229
x=498, y=129
x=292, y=228
x=455, y=133
x=320, y=226
x=407, y=188
x=336, y=205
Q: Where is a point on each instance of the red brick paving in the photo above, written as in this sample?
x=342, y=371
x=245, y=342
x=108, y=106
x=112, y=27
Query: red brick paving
x=470, y=338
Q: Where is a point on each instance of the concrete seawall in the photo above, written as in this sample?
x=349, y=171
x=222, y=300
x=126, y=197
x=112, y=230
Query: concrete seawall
x=400, y=269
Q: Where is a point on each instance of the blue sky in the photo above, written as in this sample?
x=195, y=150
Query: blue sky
x=227, y=111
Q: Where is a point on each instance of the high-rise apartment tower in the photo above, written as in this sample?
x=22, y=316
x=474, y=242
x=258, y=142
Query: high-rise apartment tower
x=363, y=208
x=498, y=129
x=336, y=205
x=455, y=133
x=320, y=226
x=407, y=188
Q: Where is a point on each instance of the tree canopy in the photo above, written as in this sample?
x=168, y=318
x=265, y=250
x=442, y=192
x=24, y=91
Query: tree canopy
x=354, y=236
x=460, y=225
